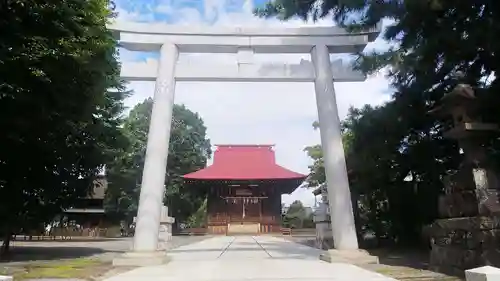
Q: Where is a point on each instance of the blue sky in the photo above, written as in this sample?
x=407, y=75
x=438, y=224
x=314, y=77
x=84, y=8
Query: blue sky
x=248, y=113
x=165, y=10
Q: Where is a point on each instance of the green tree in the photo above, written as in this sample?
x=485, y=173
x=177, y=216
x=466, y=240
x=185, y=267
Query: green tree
x=400, y=154
x=297, y=216
x=431, y=39
x=60, y=101
x=316, y=169
x=188, y=151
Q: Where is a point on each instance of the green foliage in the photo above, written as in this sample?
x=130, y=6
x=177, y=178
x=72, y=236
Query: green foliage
x=198, y=218
x=317, y=170
x=188, y=151
x=396, y=153
x=60, y=101
x=297, y=216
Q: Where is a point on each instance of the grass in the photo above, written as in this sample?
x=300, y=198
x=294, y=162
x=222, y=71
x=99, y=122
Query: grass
x=79, y=268
x=412, y=274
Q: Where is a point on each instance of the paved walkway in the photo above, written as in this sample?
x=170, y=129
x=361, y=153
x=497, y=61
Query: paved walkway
x=259, y=258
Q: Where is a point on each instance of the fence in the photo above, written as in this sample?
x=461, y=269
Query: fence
x=66, y=233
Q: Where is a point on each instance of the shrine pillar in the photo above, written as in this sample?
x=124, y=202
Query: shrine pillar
x=339, y=196
x=155, y=164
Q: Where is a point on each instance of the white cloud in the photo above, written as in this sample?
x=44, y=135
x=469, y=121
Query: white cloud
x=126, y=15
x=277, y=113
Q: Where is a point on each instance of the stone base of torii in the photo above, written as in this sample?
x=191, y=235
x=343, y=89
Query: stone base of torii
x=134, y=258
x=325, y=238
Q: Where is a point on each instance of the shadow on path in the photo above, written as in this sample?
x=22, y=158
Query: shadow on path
x=103, y=248
x=413, y=258
x=33, y=253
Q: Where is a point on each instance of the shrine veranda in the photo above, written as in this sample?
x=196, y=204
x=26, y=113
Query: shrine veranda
x=170, y=40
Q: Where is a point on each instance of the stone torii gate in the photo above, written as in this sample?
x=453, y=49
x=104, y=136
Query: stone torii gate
x=245, y=42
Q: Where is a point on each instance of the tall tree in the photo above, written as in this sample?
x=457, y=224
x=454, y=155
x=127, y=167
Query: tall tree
x=60, y=101
x=188, y=151
x=400, y=154
x=430, y=39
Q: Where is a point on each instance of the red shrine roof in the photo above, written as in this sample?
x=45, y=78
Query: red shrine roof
x=244, y=162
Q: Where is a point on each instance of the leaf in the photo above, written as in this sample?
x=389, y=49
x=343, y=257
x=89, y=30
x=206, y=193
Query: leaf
x=58, y=113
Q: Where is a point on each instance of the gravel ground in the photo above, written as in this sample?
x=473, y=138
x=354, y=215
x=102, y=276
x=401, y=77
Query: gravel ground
x=55, y=279
x=50, y=254
x=105, y=249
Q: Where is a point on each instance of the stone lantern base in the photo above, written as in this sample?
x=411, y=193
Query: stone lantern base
x=324, y=237
x=165, y=233
x=463, y=243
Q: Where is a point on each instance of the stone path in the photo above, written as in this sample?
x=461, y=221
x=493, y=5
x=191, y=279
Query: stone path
x=262, y=258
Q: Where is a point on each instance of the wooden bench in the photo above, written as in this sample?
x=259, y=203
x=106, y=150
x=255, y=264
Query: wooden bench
x=194, y=231
x=286, y=231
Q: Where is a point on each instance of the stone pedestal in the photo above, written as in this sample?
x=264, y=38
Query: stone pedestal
x=324, y=234
x=141, y=259
x=485, y=273
x=165, y=233
x=470, y=203
x=470, y=192
x=356, y=257
x=324, y=238
x=148, y=258
x=463, y=243
x=467, y=235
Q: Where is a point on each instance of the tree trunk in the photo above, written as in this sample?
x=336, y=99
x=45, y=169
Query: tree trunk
x=357, y=218
x=6, y=244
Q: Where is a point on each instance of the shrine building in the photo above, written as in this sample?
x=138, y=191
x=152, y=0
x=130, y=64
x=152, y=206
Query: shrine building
x=244, y=186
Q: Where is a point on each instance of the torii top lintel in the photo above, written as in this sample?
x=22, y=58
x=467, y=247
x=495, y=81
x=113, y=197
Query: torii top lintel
x=200, y=39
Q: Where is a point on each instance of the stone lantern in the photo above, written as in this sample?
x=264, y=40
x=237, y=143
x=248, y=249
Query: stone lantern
x=468, y=234
x=165, y=232
x=321, y=216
